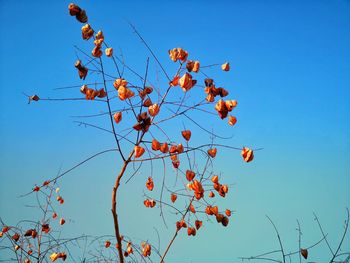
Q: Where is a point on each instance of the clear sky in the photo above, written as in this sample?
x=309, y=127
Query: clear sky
x=290, y=73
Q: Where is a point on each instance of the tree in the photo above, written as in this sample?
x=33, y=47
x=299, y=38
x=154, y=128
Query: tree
x=138, y=116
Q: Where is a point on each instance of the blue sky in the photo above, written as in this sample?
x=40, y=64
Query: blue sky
x=290, y=75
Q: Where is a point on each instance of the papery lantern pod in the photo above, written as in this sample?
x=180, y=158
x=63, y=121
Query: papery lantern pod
x=120, y=82
x=83, y=89
x=34, y=233
x=189, y=65
x=221, y=109
x=209, y=82
x=214, y=210
x=125, y=93
x=228, y=212
x=225, y=221
x=191, y=231
x=231, y=104
x=27, y=260
x=219, y=218
x=196, y=66
x=82, y=17
x=62, y=221
x=192, y=209
x=186, y=134
x=33, y=98
x=5, y=229
x=16, y=237
x=98, y=43
x=232, y=120
x=138, y=127
x=118, y=116
x=180, y=148
x=53, y=257
x=224, y=188
x=221, y=192
x=147, y=102
x=215, y=179
x=174, y=54
x=1, y=234
x=217, y=186
x=107, y=244
x=225, y=66
x=175, y=81
x=208, y=211
x=36, y=189
x=304, y=252
x=142, y=116
x=82, y=71
x=46, y=183
x=87, y=32
x=155, y=145
x=146, y=203
x=173, y=157
x=99, y=35
x=198, y=224
x=148, y=90
x=222, y=92
x=109, y=52
x=247, y=154
x=212, y=152
x=73, y=9
x=28, y=233
x=153, y=109
x=210, y=97
x=211, y=194
x=190, y=175
x=186, y=82
x=164, y=148
x=198, y=189
x=182, y=55
x=138, y=151
x=150, y=184
x=152, y=203
x=129, y=249
x=102, y=93
x=146, y=250
x=45, y=228
x=17, y=247
x=173, y=149
x=62, y=256
x=29, y=253
x=96, y=52
x=173, y=197
x=176, y=164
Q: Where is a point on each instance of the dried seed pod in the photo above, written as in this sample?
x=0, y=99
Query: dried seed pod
x=87, y=32
x=175, y=81
x=232, y=120
x=304, y=253
x=180, y=148
x=45, y=228
x=198, y=224
x=102, y=93
x=215, y=179
x=54, y=215
x=219, y=218
x=138, y=151
x=176, y=164
x=225, y=66
x=153, y=109
x=107, y=244
x=155, y=145
x=120, y=82
x=211, y=194
x=73, y=9
x=109, y=52
x=147, y=103
x=164, y=148
x=247, y=154
x=150, y=184
x=186, y=134
x=190, y=175
x=96, y=52
x=189, y=65
x=228, y=212
x=173, y=197
x=212, y=152
x=146, y=250
x=81, y=16
x=178, y=54
x=192, y=209
x=186, y=82
x=196, y=66
x=217, y=186
x=62, y=221
x=221, y=108
x=34, y=98
x=125, y=93
x=225, y=221
x=224, y=188
x=99, y=36
x=16, y=237
x=231, y=104
x=118, y=116
x=198, y=189
x=191, y=231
